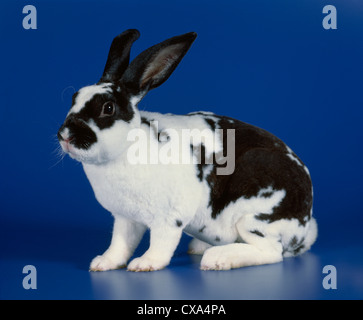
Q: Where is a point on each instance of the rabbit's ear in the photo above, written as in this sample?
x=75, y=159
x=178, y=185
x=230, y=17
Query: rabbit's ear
x=154, y=66
x=119, y=55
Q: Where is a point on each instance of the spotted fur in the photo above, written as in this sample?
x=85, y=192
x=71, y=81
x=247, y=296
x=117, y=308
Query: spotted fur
x=258, y=214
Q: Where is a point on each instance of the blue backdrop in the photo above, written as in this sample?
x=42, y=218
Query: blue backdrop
x=269, y=63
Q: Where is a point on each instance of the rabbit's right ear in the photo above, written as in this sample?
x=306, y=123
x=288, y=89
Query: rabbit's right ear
x=119, y=55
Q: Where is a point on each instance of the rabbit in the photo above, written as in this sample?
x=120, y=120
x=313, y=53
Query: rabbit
x=258, y=212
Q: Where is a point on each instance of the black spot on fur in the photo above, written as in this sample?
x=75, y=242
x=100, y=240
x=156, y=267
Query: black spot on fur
x=295, y=246
x=293, y=242
x=263, y=217
x=211, y=123
x=298, y=249
x=201, y=229
x=200, y=113
x=147, y=121
x=257, y=233
x=200, y=172
x=267, y=194
x=163, y=136
x=217, y=239
x=179, y=223
x=200, y=154
x=160, y=136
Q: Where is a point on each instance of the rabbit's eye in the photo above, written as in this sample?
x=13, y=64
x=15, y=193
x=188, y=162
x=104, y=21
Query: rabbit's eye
x=108, y=109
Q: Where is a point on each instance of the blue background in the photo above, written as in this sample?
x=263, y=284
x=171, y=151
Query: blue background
x=269, y=63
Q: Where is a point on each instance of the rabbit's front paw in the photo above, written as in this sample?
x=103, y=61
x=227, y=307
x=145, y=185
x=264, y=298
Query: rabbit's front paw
x=146, y=264
x=103, y=263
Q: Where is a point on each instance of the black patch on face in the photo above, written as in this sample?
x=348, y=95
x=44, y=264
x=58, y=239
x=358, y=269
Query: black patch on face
x=256, y=232
x=93, y=108
x=261, y=162
x=217, y=239
x=179, y=223
x=80, y=134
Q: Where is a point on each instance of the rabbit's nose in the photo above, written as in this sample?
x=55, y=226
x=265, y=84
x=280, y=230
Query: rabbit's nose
x=74, y=121
x=64, y=135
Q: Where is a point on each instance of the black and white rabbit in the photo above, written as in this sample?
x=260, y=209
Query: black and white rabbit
x=257, y=213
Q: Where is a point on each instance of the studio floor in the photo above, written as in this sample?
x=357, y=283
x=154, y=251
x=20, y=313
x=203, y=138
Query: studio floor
x=61, y=255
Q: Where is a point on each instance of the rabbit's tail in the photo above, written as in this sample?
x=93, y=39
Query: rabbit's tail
x=297, y=246
x=312, y=234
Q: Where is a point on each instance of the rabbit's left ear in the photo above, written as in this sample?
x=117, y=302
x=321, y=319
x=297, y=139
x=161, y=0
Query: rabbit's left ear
x=119, y=55
x=154, y=66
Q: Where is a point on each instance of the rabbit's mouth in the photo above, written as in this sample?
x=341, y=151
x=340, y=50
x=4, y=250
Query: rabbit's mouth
x=85, y=155
x=66, y=145
x=74, y=152
x=65, y=139
x=69, y=148
x=66, y=142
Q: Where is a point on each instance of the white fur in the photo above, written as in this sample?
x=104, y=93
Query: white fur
x=197, y=246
